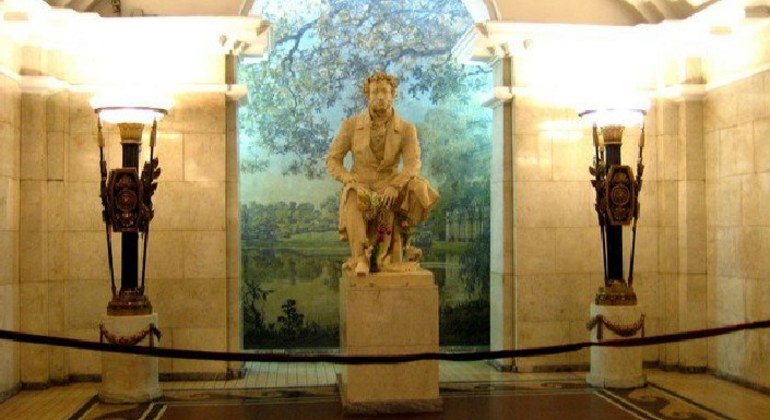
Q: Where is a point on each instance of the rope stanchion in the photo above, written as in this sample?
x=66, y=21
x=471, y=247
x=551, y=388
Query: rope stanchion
x=372, y=359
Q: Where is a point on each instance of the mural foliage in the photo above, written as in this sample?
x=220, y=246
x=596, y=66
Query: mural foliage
x=291, y=255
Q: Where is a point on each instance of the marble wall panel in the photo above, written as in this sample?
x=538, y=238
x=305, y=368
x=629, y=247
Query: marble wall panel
x=189, y=303
x=666, y=117
x=9, y=257
x=57, y=112
x=553, y=297
x=205, y=254
x=668, y=203
x=711, y=154
x=578, y=333
x=55, y=153
x=648, y=293
x=761, y=134
x=758, y=342
x=82, y=118
x=756, y=199
x=84, y=206
x=578, y=250
x=89, y=300
x=204, y=157
x=58, y=206
x=165, y=254
x=170, y=151
x=212, y=339
x=554, y=204
x=10, y=149
x=197, y=113
x=736, y=150
x=501, y=326
x=9, y=101
x=534, y=158
x=668, y=157
x=691, y=143
x=571, y=158
x=668, y=250
x=541, y=334
x=9, y=203
x=751, y=251
x=730, y=300
x=535, y=250
x=83, y=156
x=730, y=354
x=649, y=215
x=9, y=350
x=728, y=210
x=32, y=205
x=33, y=256
x=85, y=363
x=33, y=132
x=190, y=206
x=87, y=255
x=757, y=355
x=720, y=109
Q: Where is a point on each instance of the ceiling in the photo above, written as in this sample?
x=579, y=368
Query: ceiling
x=623, y=12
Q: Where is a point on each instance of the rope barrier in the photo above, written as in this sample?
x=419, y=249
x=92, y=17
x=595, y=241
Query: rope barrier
x=371, y=359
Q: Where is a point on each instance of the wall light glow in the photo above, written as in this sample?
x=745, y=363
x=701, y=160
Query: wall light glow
x=137, y=107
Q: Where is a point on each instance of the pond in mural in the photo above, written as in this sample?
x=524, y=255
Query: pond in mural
x=291, y=255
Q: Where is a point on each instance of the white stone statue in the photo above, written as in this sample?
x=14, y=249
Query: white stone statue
x=380, y=202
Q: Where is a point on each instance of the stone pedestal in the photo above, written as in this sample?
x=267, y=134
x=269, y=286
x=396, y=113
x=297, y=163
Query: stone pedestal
x=128, y=378
x=615, y=367
x=382, y=314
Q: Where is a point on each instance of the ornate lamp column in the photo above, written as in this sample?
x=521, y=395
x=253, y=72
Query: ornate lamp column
x=614, y=313
x=127, y=208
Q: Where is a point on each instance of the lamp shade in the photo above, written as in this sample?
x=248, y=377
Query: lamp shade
x=117, y=108
x=614, y=116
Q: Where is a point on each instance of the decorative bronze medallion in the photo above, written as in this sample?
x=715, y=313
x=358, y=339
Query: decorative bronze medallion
x=124, y=205
x=621, y=190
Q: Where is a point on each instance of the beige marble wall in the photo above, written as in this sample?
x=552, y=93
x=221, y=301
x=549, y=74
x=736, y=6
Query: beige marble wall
x=737, y=128
x=10, y=103
x=63, y=270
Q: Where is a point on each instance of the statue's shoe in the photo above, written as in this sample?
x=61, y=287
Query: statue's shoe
x=362, y=268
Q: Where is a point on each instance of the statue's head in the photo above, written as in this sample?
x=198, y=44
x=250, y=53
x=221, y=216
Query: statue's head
x=380, y=89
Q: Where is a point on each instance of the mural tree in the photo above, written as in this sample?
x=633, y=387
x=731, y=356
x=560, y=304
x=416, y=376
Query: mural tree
x=312, y=79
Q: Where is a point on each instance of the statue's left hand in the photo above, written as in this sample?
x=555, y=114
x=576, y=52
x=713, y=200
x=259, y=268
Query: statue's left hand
x=389, y=196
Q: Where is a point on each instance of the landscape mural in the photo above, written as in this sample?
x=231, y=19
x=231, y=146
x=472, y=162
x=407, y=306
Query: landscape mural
x=290, y=252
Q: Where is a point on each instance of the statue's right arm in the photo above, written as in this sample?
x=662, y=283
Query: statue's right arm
x=337, y=151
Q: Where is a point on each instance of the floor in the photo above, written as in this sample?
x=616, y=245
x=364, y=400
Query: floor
x=726, y=399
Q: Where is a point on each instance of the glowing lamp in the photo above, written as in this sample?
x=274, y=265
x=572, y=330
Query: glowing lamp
x=617, y=192
x=127, y=194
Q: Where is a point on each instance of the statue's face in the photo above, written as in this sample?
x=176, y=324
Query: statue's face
x=380, y=96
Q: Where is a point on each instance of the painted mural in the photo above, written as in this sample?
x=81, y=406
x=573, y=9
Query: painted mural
x=290, y=252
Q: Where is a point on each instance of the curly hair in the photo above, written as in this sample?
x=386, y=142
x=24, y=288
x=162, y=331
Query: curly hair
x=379, y=76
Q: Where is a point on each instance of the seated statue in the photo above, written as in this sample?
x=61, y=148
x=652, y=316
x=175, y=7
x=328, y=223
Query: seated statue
x=380, y=202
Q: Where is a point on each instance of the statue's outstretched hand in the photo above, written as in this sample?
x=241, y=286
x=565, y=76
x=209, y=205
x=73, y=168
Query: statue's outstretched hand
x=389, y=196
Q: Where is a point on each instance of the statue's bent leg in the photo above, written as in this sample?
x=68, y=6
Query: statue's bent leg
x=356, y=230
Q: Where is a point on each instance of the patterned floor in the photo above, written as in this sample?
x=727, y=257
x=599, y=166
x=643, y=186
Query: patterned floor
x=469, y=390
x=521, y=400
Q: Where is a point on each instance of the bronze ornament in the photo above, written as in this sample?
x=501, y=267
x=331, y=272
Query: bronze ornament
x=600, y=322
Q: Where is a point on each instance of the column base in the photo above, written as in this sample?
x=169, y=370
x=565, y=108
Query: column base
x=616, y=367
x=129, y=378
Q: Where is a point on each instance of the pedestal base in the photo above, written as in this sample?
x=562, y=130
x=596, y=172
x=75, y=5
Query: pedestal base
x=128, y=378
x=615, y=367
x=389, y=313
